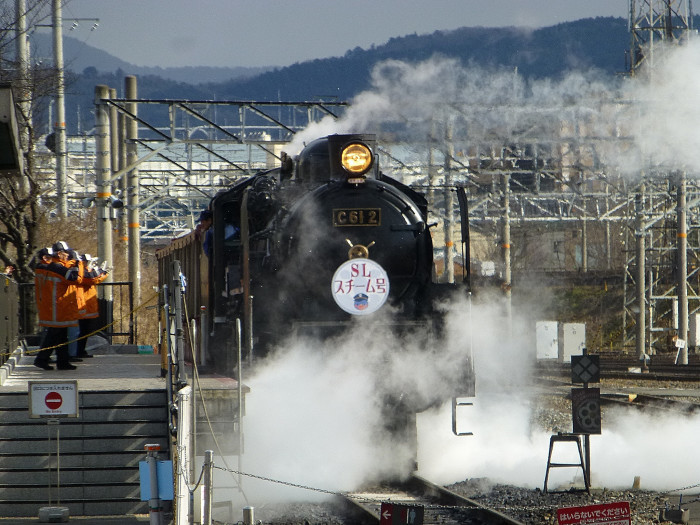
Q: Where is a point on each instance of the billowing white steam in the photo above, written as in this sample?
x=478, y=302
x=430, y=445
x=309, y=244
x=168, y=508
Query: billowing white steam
x=631, y=123
x=316, y=411
x=407, y=100
x=313, y=410
x=665, y=109
x=506, y=449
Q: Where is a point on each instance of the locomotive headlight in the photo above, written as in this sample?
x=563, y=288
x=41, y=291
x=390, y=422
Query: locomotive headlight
x=356, y=158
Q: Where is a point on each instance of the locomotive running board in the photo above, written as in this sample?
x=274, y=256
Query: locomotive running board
x=460, y=402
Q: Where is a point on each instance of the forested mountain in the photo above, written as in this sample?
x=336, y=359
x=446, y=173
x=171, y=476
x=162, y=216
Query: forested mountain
x=79, y=55
x=594, y=43
x=591, y=43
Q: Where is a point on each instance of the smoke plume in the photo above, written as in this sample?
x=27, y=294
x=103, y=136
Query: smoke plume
x=314, y=409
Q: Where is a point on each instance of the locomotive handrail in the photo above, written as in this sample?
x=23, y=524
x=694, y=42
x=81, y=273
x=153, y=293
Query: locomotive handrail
x=168, y=345
x=261, y=234
x=247, y=303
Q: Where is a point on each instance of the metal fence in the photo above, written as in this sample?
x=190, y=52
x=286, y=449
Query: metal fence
x=116, y=315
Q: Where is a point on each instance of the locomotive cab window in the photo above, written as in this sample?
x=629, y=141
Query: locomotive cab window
x=231, y=227
x=229, y=235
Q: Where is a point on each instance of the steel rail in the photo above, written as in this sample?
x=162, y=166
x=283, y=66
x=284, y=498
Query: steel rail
x=440, y=504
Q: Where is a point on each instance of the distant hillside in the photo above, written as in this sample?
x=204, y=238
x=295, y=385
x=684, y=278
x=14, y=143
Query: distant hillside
x=598, y=43
x=594, y=43
x=78, y=56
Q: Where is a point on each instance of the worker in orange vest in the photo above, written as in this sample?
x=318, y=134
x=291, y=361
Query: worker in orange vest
x=94, y=275
x=56, y=282
x=74, y=331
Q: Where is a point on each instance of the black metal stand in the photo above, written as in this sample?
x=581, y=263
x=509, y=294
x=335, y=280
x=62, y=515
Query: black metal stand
x=562, y=437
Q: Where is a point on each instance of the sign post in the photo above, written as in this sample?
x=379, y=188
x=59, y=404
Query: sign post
x=52, y=400
x=156, y=483
x=585, y=402
x=680, y=344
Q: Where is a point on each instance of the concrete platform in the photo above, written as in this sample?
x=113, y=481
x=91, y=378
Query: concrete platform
x=112, y=367
x=108, y=369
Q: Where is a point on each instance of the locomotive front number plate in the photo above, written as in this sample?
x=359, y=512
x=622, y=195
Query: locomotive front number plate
x=357, y=217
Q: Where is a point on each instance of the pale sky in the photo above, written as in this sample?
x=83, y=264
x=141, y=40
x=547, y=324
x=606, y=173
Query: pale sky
x=232, y=33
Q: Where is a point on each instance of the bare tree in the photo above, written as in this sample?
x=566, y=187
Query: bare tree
x=21, y=213
x=36, y=12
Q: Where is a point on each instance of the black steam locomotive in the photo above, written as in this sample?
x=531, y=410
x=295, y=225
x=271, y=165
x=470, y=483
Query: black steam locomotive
x=307, y=249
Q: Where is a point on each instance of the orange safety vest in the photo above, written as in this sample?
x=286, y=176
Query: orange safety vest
x=91, y=307
x=79, y=296
x=56, y=293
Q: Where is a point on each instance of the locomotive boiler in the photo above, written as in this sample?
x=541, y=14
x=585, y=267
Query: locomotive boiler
x=323, y=244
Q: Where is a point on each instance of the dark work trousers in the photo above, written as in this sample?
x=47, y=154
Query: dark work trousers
x=53, y=337
x=87, y=326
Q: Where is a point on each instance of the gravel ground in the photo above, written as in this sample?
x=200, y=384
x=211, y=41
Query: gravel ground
x=299, y=514
x=533, y=507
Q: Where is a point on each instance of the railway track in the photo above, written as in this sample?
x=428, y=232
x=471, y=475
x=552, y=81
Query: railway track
x=437, y=504
x=661, y=368
x=657, y=403
x=663, y=396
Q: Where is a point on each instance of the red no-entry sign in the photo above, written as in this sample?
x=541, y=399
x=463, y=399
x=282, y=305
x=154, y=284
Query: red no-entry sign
x=53, y=399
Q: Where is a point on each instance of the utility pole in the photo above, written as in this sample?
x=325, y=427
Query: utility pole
x=122, y=183
x=507, y=270
x=23, y=64
x=114, y=136
x=449, y=205
x=103, y=191
x=682, y=252
x=113, y=133
x=132, y=196
x=584, y=235
x=641, y=284
x=60, y=123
